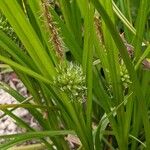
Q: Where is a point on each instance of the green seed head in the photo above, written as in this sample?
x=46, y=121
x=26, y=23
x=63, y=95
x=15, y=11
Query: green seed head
x=125, y=78
x=71, y=80
x=7, y=29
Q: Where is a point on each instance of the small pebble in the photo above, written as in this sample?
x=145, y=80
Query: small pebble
x=12, y=126
x=2, y=126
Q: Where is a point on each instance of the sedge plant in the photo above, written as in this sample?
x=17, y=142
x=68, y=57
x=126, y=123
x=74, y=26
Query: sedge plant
x=86, y=66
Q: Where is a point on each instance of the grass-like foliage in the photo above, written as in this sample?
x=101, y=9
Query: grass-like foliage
x=86, y=66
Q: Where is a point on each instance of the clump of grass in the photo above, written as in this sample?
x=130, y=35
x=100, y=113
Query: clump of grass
x=101, y=71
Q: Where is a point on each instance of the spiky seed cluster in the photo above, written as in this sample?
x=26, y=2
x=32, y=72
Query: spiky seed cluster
x=125, y=78
x=7, y=29
x=71, y=80
x=4, y=26
x=55, y=37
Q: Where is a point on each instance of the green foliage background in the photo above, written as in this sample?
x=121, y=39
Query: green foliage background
x=94, y=40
